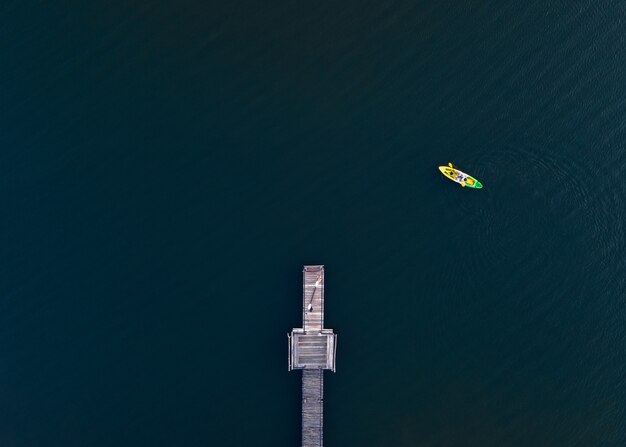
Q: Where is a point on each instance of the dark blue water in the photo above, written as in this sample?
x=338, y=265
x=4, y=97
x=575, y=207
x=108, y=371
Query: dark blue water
x=167, y=168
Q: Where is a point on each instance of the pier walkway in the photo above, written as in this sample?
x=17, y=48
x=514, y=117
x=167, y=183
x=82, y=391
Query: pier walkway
x=312, y=348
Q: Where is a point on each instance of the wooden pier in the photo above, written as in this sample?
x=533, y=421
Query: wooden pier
x=312, y=348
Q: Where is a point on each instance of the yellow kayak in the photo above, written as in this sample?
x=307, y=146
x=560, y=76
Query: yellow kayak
x=460, y=177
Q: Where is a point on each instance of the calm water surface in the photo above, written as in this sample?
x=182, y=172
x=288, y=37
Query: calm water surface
x=166, y=168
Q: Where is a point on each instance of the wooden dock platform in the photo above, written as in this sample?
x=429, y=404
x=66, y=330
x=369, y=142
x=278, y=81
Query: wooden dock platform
x=313, y=298
x=312, y=348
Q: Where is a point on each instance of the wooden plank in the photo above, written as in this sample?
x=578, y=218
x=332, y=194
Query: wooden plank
x=312, y=407
x=313, y=298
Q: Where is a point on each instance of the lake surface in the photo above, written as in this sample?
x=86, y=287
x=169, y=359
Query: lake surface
x=166, y=168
